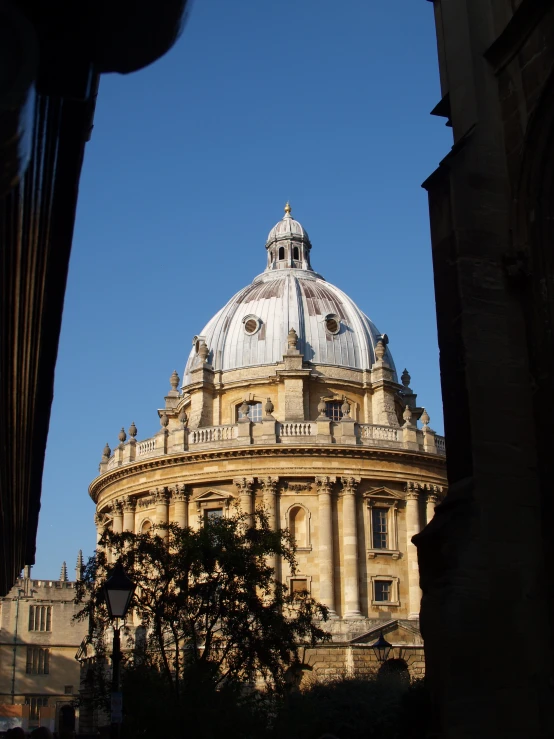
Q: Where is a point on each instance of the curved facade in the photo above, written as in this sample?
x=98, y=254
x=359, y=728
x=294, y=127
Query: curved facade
x=290, y=400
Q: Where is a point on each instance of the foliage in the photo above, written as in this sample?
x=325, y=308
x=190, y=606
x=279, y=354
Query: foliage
x=212, y=612
x=354, y=708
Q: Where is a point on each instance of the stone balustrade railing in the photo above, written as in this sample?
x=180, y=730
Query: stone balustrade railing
x=306, y=428
x=362, y=434
x=213, y=433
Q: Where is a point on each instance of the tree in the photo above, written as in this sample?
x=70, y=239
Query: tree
x=211, y=610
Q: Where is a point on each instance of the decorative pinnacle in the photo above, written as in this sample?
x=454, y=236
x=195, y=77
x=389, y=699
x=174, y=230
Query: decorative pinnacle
x=63, y=573
x=133, y=430
x=122, y=436
x=107, y=451
x=288, y=208
x=406, y=378
x=174, y=380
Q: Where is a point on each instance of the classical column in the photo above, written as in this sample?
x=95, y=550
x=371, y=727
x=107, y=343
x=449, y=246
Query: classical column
x=350, y=545
x=244, y=487
x=325, y=536
x=117, y=512
x=431, y=502
x=129, y=506
x=162, y=511
x=412, y=528
x=269, y=493
x=181, y=506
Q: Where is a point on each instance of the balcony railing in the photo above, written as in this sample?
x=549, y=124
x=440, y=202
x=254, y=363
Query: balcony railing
x=302, y=432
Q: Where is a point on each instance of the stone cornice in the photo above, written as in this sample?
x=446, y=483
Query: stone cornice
x=433, y=461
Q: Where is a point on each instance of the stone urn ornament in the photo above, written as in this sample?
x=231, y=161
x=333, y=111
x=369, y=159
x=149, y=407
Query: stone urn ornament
x=122, y=436
x=292, y=339
x=244, y=408
x=322, y=408
x=269, y=407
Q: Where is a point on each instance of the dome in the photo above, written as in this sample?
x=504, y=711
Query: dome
x=287, y=228
x=252, y=328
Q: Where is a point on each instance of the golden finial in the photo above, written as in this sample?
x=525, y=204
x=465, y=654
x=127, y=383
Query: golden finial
x=287, y=207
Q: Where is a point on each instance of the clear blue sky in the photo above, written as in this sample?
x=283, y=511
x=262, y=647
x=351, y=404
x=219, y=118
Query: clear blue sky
x=189, y=166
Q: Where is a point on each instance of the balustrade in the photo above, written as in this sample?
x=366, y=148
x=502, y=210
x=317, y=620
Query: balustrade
x=146, y=447
x=379, y=433
x=298, y=429
x=212, y=433
x=368, y=434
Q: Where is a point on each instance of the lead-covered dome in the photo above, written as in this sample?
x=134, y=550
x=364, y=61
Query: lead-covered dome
x=252, y=328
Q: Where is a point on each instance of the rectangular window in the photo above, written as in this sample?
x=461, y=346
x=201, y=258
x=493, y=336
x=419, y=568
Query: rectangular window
x=379, y=528
x=38, y=661
x=35, y=702
x=211, y=514
x=255, y=412
x=298, y=585
x=383, y=591
x=333, y=410
x=40, y=618
x=68, y=689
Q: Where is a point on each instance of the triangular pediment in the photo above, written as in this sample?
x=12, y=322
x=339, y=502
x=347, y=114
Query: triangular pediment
x=383, y=493
x=213, y=495
x=397, y=632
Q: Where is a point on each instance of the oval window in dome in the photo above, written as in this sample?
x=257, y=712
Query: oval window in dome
x=251, y=324
x=332, y=323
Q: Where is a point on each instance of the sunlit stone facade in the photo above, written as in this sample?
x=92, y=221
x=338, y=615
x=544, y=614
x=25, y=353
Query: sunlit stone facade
x=291, y=401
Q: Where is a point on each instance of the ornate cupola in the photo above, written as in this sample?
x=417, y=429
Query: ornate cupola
x=288, y=244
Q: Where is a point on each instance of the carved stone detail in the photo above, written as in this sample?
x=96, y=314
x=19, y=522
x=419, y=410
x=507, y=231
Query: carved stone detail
x=181, y=493
x=244, y=485
x=292, y=339
x=325, y=484
x=269, y=485
x=349, y=485
x=129, y=504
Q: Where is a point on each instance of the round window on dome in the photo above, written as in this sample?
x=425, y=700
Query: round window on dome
x=332, y=323
x=251, y=324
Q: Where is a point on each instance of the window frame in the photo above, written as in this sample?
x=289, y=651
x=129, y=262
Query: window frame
x=38, y=661
x=251, y=404
x=299, y=576
x=394, y=590
x=391, y=506
x=39, y=615
x=337, y=405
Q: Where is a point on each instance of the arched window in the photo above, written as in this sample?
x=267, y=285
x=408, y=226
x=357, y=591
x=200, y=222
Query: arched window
x=146, y=527
x=272, y=256
x=298, y=526
x=281, y=252
x=295, y=254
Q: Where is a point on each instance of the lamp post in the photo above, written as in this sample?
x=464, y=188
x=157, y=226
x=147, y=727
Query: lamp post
x=118, y=591
x=381, y=648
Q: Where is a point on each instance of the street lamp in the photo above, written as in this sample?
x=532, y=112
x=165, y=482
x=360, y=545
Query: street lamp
x=118, y=591
x=382, y=648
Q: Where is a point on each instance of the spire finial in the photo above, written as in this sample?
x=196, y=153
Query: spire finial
x=287, y=208
x=63, y=573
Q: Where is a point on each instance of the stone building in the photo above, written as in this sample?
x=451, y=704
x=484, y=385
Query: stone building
x=291, y=400
x=487, y=560
x=38, y=643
